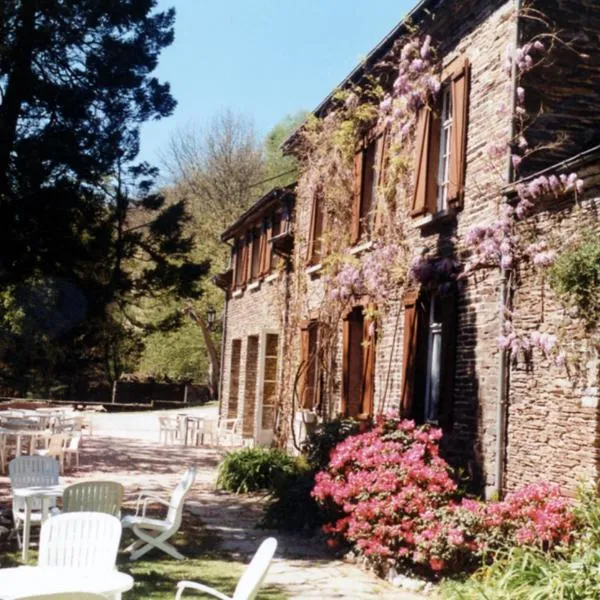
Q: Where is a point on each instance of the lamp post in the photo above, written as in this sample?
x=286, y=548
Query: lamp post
x=210, y=318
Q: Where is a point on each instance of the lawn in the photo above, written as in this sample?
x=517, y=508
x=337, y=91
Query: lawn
x=157, y=577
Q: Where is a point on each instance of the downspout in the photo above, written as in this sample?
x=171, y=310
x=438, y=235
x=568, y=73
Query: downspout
x=502, y=403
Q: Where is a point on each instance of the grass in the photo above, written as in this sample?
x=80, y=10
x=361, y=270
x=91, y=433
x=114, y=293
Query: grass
x=157, y=574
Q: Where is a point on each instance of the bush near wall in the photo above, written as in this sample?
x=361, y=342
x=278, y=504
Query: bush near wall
x=400, y=506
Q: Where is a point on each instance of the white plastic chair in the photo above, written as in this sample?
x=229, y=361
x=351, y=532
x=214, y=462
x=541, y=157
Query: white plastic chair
x=228, y=432
x=56, y=449
x=249, y=582
x=93, y=496
x=154, y=533
x=72, y=449
x=83, y=540
x=28, y=471
x=169, y=430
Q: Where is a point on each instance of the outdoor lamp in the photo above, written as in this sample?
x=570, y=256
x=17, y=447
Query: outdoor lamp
x=210, y=317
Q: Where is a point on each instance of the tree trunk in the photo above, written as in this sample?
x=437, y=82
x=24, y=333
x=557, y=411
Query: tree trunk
x=213, y=355
x=17, y=90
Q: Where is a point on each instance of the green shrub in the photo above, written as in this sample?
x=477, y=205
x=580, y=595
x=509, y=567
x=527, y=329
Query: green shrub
x=318, y=445
x=254, y=469
x=293, y=508
x=568, y=573
x=576, y=276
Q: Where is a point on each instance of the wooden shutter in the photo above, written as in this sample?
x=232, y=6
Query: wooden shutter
x=423, y=167
x=358, y=177
x=409, y=359
x=234, y=263
x=304, y=358
x=449, y=315
x=246, y=259
x=460, y=108
x=381, y=178
x=265, y=248
x=345, y=365
x=368, y=382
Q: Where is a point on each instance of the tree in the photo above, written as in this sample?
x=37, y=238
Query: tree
x=221, y=170
x=80, y=222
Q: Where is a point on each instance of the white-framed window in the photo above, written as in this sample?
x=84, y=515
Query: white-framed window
x=445, y=149
x=433, y=376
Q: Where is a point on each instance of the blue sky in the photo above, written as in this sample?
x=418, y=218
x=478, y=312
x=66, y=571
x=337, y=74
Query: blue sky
x=262, y=58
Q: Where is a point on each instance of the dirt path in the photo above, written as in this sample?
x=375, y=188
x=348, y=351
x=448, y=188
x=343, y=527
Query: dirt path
x=303, y=567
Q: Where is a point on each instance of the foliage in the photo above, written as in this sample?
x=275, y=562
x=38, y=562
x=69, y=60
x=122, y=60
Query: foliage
x=254, y=469
x=76, y=83
x=292, y=507
x=523, y=573
x=276, y=163
x=576, y=275
x=320, y=443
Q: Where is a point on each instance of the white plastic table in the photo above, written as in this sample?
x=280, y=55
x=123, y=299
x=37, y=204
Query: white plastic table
x=29, y=581
x=45, y=493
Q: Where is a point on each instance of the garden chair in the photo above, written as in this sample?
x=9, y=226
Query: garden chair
x=28, y=471
x=249, y=582
x=72, y=449
x=93, y=496
x=56, y=449
x=82, y=540
x=169, y=430
x=228, y=432
x=154, y=533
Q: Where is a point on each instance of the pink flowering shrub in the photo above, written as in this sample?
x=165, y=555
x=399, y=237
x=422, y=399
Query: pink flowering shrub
x=398, y=504
x=388, y=483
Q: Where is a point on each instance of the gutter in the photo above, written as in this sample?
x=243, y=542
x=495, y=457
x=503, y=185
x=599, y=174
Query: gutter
x=505, y=275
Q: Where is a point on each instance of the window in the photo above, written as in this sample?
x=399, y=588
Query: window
x=310, y=387
x=368, y=171
x=256, y=253
x=428, y=361
x=315, y=250
x=234, y=378
x=269, y=381
x=444, y=150
x=250, y=386
x=358, y=365
x=441, y=145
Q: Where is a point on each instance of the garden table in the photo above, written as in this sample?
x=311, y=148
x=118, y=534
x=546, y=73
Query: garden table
x=19, y=434
x=44, y=493
x=18, y=582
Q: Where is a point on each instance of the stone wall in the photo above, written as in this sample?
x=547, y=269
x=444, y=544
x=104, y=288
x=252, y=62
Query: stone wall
x=250, y=313
x=553, y=410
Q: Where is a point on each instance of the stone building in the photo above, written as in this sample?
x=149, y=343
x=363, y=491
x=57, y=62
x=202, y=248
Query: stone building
x=433, y=354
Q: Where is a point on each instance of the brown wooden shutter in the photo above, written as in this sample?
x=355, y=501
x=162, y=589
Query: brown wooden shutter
x=265, y=248
x=423, y=166
x=381, y=178
x=368, y=382
x=358, y=177
x=246, y=260
x=234, y=253
x=410, y=334
x=460, y=111
x=448, y=358
x=304, y=358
